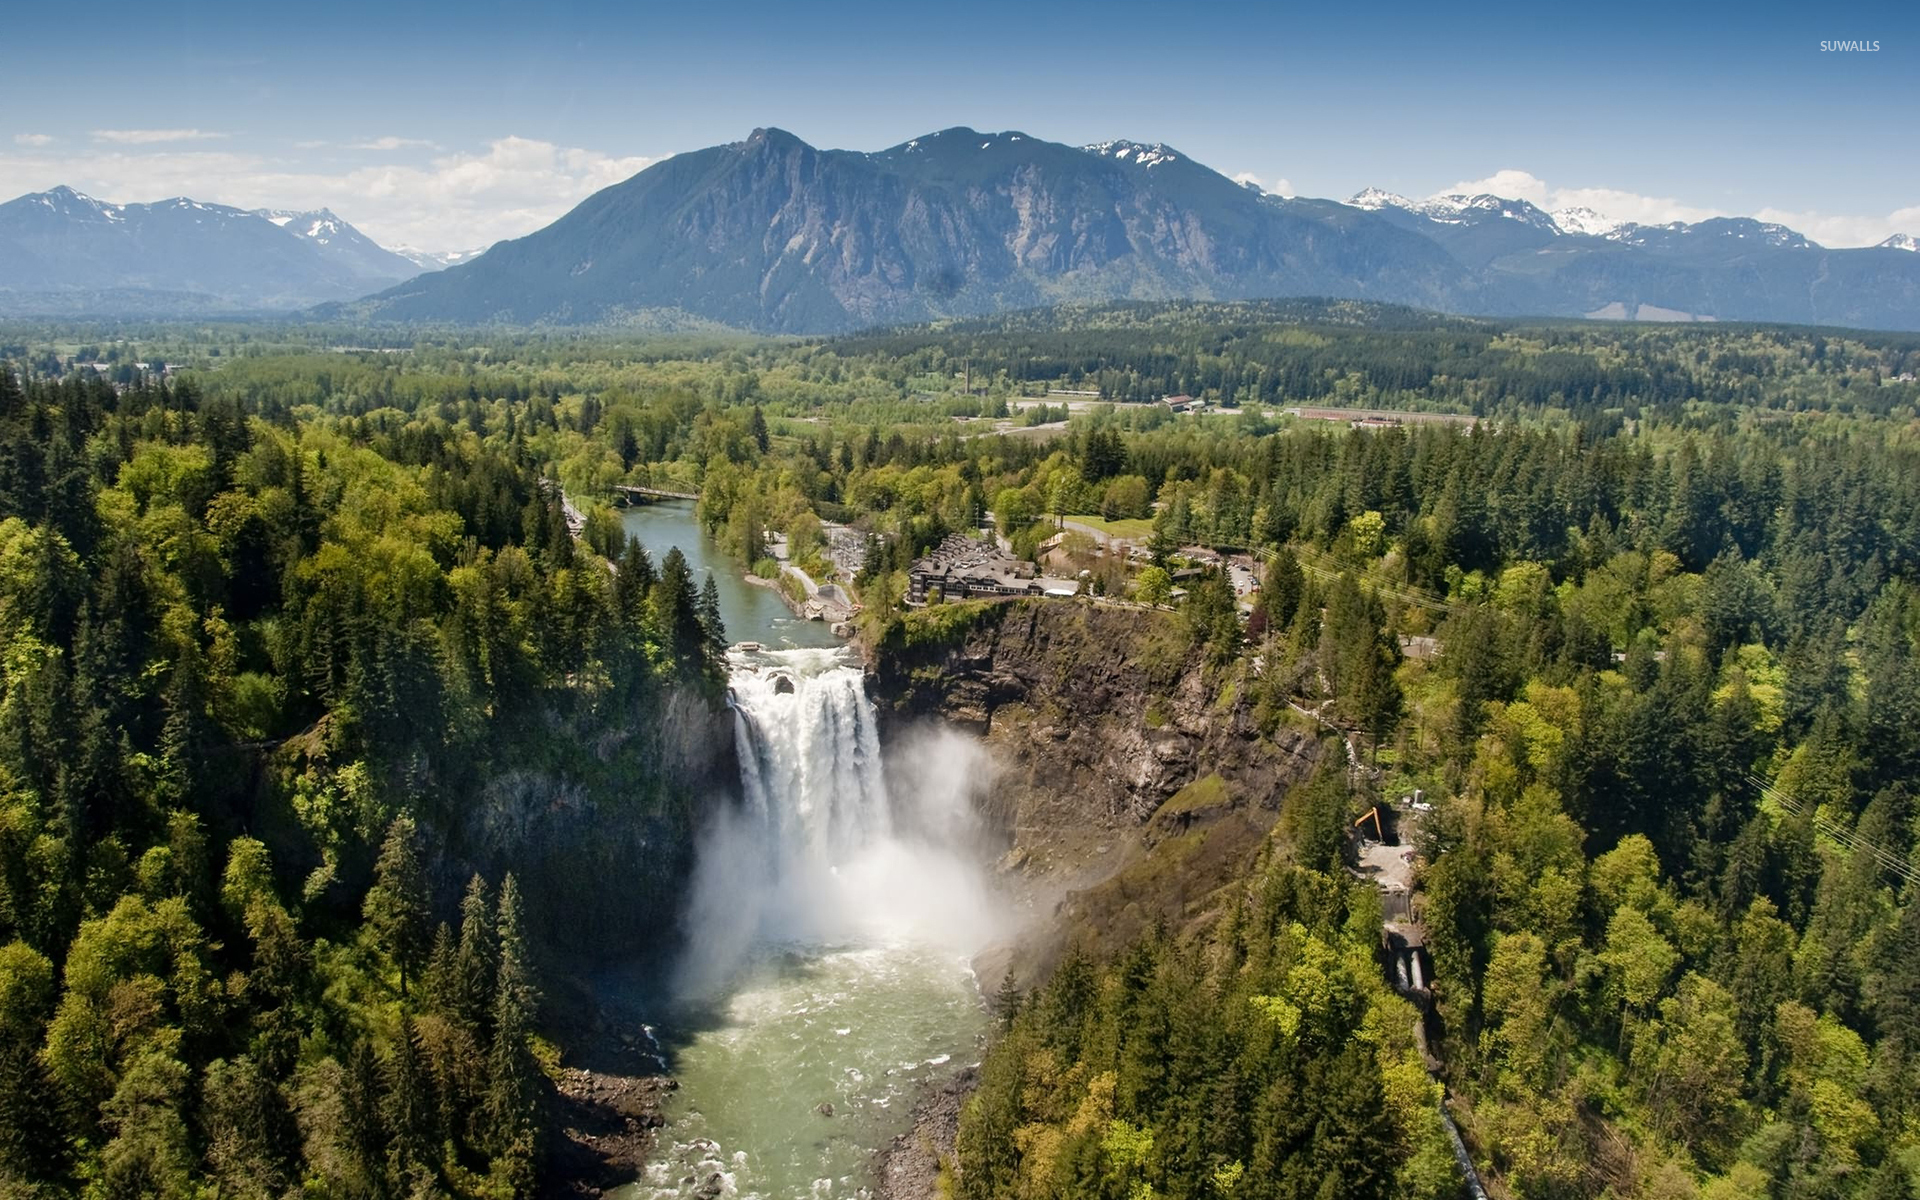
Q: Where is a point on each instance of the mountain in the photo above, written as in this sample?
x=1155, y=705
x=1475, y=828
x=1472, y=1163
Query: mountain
x=1584, y=220
x=343, y=243
x=62, y=251
x=1901, y=241
x=1712, y=238
x=1476, y=230
x=1576, y=262
x=770, y=233
x=435, y=260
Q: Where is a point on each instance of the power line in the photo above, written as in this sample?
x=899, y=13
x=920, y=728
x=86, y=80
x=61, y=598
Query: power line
x=1846, y=838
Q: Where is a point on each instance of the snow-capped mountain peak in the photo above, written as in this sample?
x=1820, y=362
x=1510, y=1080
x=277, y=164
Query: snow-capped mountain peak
x=1457, y=208
x=320, y=225
x=1901, y=241
x=223, y=256
x=1135, y=152
x=435, y=260
x=70, y=203
x=1584, y=221
x=1677, y=235
x=1373, y=199
x=1779, y=235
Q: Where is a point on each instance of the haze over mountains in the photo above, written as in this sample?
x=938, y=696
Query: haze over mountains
x=773, y=234
x=62, y=251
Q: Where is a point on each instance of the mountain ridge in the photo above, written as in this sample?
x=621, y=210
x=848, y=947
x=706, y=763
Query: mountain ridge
x=61, y=248
x=773, y=234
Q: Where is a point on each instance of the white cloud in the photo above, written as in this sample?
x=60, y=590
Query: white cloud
x=1832, y=229
x=454, y=201
x=1281, y=187
x=1828, y=229
x=32, y=139
x=148, y=137
x=393, y=143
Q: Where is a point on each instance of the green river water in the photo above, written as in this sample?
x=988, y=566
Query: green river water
x=750, y=613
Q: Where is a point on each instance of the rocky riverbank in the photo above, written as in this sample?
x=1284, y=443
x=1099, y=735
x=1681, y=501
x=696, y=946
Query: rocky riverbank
x=607, y=1097
x=910, y=1166
x=839, y=618
x=604, y=1125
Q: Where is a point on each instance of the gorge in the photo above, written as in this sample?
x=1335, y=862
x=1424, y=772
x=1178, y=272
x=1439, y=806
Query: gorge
x=907, y=830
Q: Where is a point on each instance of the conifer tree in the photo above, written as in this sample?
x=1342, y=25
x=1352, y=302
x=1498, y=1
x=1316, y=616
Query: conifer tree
x=1006, y=1001
x=407, y=1111
x=249, y=1132
x=1281, y=589
x=676, y=608
x=757, y=425
x=713, y=631
x=396, y=905
x=29, y=1138
x=361, y=1102
x=511, y=1088
x=477, y=960
x=440, y=984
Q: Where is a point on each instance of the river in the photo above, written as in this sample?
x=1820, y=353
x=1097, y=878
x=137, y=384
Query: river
x=750, y=613
x=830, y=922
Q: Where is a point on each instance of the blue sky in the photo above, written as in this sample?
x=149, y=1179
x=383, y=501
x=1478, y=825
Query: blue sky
x=446, y=125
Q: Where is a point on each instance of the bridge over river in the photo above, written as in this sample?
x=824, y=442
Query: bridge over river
x=633, y=492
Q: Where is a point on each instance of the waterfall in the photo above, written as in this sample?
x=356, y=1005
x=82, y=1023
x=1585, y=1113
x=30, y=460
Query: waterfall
x=820, y=851
x=809, y=755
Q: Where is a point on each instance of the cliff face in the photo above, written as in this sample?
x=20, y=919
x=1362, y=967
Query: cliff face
x=600, y=826
x=1133, y=783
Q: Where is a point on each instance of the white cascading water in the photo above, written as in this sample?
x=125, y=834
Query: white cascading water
x=810, y=758
x=826, y=979
x=821, y=852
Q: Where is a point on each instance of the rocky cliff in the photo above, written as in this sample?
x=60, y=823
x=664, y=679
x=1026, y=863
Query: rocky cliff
x=593, y=808
x=600, y=827
x=1133, y=782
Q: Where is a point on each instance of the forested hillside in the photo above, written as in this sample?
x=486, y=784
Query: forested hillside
x=259, y=675
x=1646, y=635
x=1669, y=882
x=1268, y=1060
